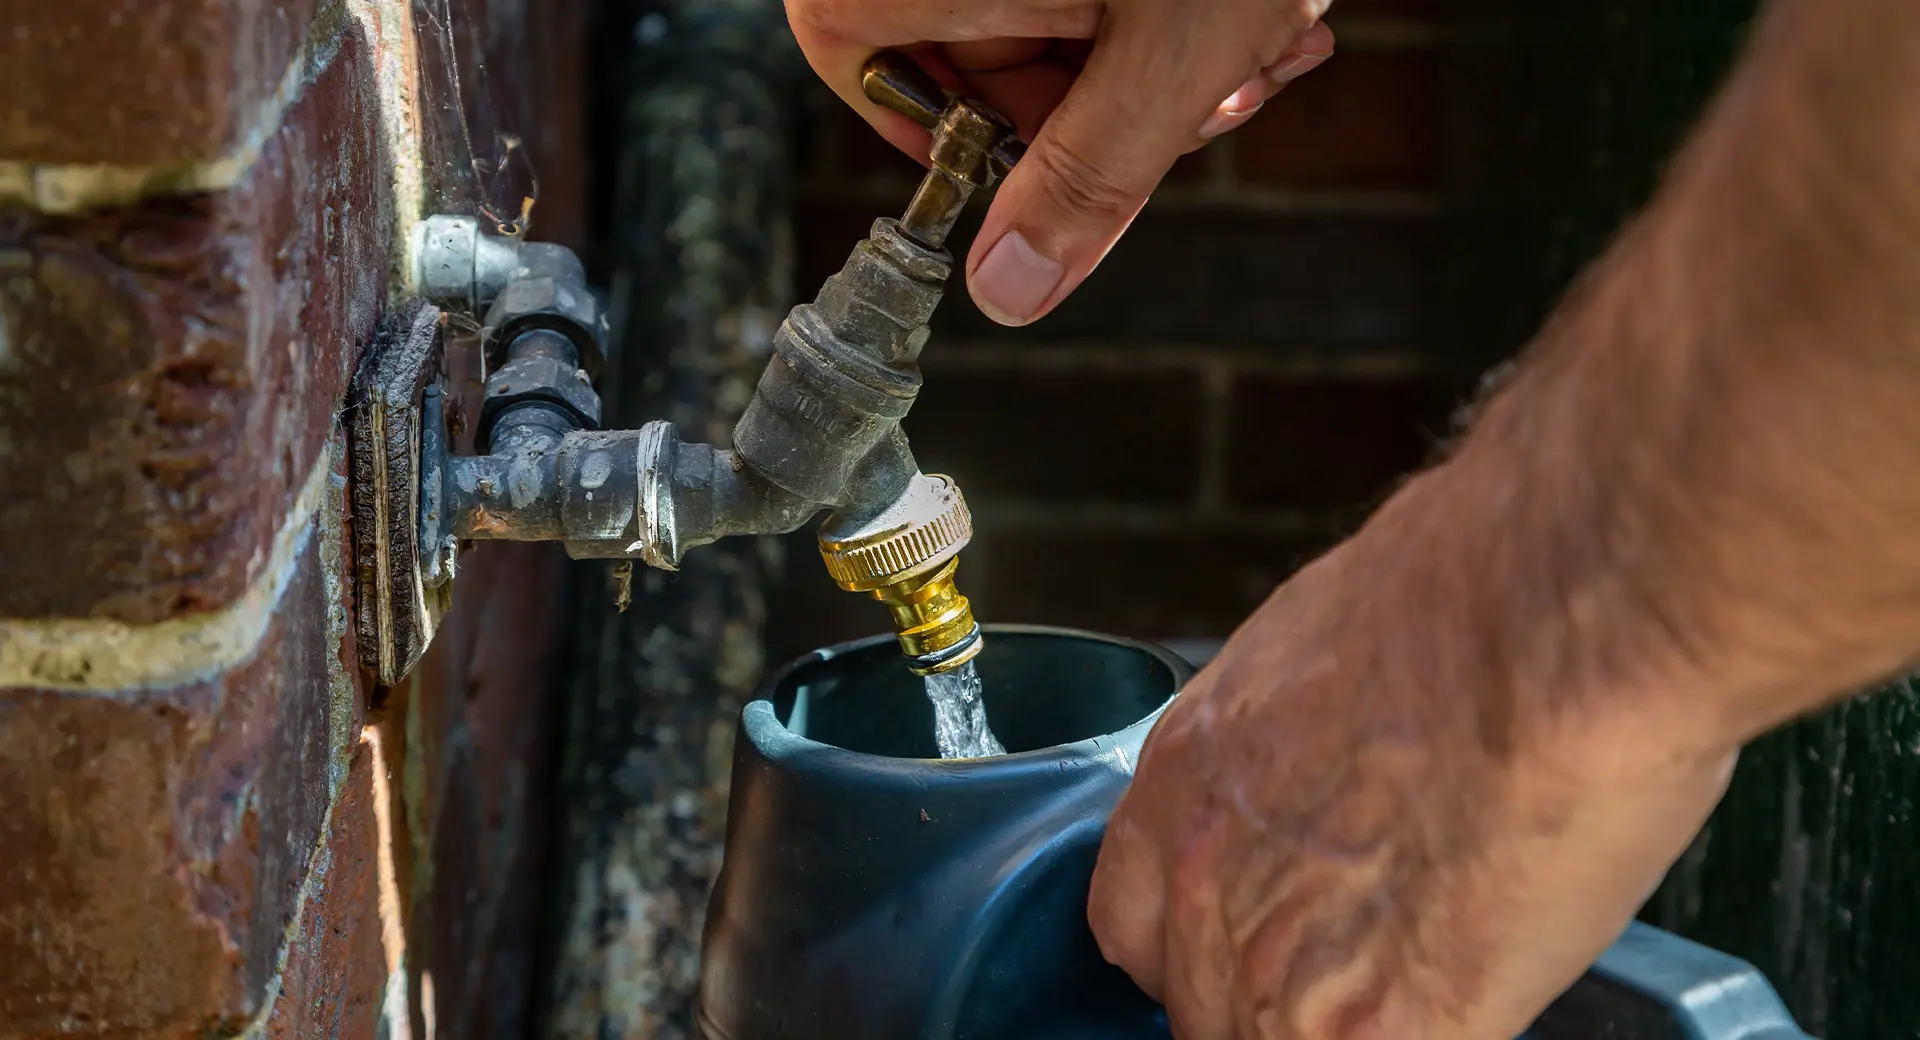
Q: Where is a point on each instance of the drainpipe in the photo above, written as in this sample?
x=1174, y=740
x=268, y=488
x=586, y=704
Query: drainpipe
x=700, y=274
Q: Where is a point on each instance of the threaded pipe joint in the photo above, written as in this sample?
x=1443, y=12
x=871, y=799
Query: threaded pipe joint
x=905, y=557
x=922, y=529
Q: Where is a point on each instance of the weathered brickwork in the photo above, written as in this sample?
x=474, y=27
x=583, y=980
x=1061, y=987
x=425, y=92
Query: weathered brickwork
x=158, y=839
x=131, y=83
x=215, y=826
x=480, y=723
x=336, y=968
x=171, y=368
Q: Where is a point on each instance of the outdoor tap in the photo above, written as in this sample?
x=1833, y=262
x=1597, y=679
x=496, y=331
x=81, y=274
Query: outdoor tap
x=973, y=145
x=820, y=434
x=848, y=364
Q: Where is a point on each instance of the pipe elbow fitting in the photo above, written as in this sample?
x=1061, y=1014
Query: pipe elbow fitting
x=510, y=285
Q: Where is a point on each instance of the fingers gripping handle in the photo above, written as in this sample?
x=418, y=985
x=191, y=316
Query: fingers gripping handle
x=972, y=144
x=893, y=80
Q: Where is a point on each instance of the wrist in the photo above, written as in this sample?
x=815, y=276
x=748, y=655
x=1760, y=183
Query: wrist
x=1693, y=493
x=1545, y=595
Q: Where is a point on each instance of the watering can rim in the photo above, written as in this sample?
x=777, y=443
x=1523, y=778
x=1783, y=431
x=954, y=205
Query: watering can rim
x=775, y=741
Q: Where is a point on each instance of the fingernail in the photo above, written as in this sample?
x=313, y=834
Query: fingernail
x=1235, y=109
x=1293, y=68
x=1222, y=121
x=1015, y=281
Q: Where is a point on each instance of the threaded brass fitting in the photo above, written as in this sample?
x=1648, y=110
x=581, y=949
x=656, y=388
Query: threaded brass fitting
x=905, y=558
x=933, y=620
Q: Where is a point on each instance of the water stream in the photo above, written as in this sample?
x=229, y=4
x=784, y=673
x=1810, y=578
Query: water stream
x=960, y=715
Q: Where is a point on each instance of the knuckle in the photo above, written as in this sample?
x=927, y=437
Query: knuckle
x=1301, y=14
x=1197, y=858
x=1126, y=911
x=1115, y=927
x=1078, y=187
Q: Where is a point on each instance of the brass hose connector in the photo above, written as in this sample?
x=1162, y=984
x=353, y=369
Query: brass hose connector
x=905, y=558
x=932, y=620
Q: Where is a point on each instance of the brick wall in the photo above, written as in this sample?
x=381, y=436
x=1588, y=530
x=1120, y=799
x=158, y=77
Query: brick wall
x=213, y=825
x=1260, y=358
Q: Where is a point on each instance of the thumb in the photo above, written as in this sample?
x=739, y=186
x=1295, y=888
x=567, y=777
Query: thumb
x=1157, y=73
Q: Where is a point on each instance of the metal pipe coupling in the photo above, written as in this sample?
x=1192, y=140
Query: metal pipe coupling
x=905, y=556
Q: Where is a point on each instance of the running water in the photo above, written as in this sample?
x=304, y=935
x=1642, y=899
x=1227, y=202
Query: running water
x=960, y=715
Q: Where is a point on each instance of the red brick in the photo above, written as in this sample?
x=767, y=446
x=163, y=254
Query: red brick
x=158, y=843
x=1364, y=120
x=336, y=970
x=1320, y=445
x=1072, y=435
x=156, y=840
x=487, y=714
x=95, y=931
x=171, y=368
x=169, y=374
x=141, y=84
x=1333, y=282
x=1185, y=582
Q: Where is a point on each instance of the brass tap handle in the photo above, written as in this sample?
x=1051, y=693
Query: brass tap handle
x=893, y=80
x=973, y=145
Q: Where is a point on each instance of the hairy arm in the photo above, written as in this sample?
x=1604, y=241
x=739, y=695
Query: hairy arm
x=1710, y=463
x=1439, y=770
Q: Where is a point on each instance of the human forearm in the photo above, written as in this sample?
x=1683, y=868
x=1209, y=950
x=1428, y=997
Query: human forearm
x=1707, y=472
x=1432, y=777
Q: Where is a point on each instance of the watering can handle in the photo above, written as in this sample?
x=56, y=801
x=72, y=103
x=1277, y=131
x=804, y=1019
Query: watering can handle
x=1652, y=984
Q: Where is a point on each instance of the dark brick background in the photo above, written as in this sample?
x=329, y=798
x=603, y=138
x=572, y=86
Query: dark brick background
x=1064, y=435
